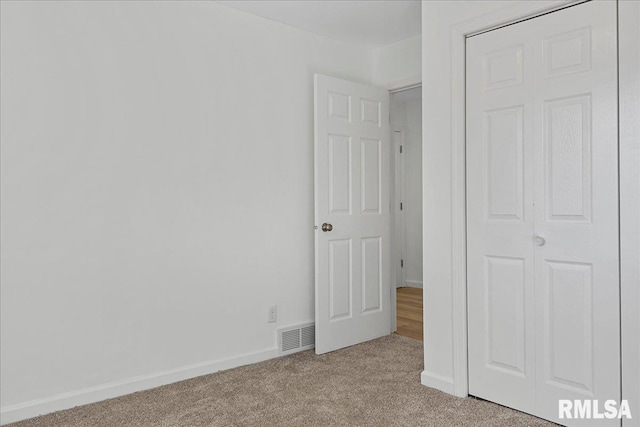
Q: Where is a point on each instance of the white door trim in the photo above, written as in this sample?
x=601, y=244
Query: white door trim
x=400, y=223
x=397, y=239
x=405, y=84
x=459, y=33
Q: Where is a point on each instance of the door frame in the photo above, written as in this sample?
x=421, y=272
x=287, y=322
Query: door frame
x=629, y=250
x=408, y=84
x=399, y=225
x=398, y=242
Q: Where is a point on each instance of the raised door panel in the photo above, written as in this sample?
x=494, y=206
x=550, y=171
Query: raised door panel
x=340, y=279
x=567, y=52
x=505, y=314
x=370, y=112
x=568, y=340
x=371, y=274
x=567, y=151
x=339, y=106
x=503, y=68
x=504, y=192
x=340, y=174
x=371, y=176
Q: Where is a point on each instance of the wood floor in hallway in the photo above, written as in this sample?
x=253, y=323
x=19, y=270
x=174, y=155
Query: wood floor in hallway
x=409, y=308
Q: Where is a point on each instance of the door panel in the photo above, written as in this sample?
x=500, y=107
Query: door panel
x=340, y=274
x=568, y=317
x=576, y=209
x=352, y=167
x=339, y=174
x=371, y=274
x=505, y=288
x=500, y=260
x=542, y=211
x=567, y=143
x=505, y=169
x=371, y=167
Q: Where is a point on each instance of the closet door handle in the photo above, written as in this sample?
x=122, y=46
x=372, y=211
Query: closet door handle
x=539, y=240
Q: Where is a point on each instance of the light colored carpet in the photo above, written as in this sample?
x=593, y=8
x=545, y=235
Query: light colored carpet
x=371, y=384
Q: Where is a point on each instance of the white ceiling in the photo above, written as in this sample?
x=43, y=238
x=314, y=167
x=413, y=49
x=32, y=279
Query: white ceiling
x=370, y=23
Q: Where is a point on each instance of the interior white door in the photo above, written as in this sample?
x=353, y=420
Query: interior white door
x=352, y=213
x=542, y=211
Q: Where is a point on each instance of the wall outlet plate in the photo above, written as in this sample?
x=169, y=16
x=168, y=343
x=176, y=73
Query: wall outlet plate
x=272, y=315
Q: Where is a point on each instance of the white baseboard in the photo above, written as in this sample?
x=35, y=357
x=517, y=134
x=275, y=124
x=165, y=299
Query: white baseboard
x=33, y=408
x=414, y=284
x=436, y=381
x=410, y=284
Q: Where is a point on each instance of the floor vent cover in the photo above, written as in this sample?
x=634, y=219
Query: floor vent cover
x=296, y=338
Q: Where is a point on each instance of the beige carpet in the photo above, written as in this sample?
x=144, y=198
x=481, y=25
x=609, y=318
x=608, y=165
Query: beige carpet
x=371, y=384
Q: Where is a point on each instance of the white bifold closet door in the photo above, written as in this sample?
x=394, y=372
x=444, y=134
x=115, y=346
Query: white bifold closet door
x=542, y=211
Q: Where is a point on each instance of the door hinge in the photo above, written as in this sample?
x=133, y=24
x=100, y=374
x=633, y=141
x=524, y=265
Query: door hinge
x=401, y=263
x=400, y=205
x=401, y=149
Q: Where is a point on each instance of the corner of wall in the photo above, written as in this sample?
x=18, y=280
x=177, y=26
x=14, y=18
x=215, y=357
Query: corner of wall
x=439, y=382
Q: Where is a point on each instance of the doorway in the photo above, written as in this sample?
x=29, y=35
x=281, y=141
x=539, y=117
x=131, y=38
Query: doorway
x=357, y=256
x=406, y=127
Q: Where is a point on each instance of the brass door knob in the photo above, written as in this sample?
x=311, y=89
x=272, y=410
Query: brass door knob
x=327, y=227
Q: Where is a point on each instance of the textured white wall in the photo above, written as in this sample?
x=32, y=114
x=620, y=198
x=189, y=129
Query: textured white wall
x=157, y=188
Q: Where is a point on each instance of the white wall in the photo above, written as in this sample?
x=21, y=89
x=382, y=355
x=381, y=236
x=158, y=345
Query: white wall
x=157, y=192
x=398, y=64
x=443, y=356
x=629, y=66
x=407, y=117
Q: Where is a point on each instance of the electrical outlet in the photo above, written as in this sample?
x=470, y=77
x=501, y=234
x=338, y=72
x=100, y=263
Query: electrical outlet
x=273, y=314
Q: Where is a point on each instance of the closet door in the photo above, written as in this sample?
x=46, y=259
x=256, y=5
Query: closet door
x=542, y=206
x=576, y=209
x=500, y=221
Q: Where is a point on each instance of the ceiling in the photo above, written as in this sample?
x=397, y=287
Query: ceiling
x=370, y=23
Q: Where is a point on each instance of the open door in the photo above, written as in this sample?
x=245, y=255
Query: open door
x=352, y=213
